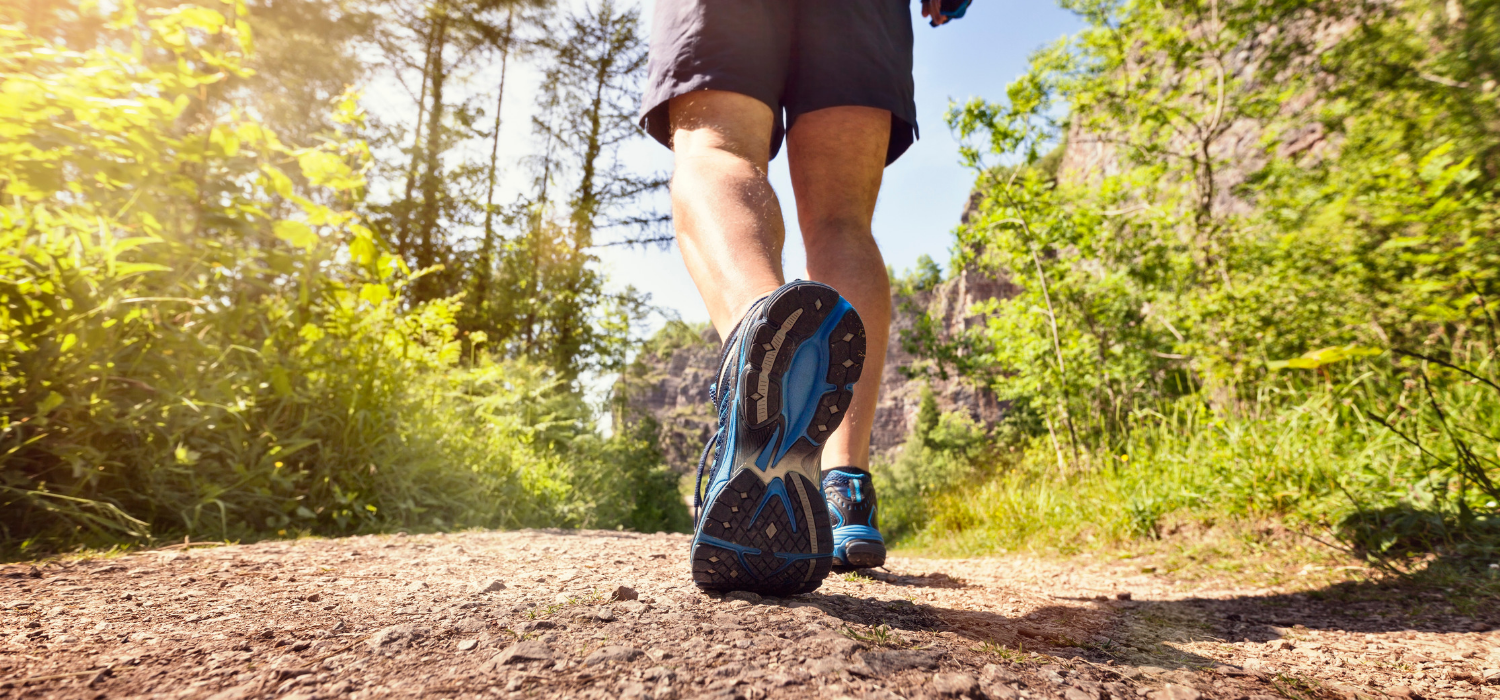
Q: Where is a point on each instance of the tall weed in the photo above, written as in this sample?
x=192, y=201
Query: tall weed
x=190, y=344
x=1323, y=458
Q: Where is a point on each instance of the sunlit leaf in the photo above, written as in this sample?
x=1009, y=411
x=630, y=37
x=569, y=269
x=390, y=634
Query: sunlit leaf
x=327, y=169
x=296, y=233
x=375, y=294
x=53, y=400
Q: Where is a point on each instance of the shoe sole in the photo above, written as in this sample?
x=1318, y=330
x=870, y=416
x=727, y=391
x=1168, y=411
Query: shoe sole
x=768, y=530
x=860, y=554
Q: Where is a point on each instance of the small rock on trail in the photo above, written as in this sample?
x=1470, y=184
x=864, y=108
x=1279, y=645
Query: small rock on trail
x=554, y=614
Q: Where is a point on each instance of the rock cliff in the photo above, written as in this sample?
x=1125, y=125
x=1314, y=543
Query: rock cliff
x=669, y=381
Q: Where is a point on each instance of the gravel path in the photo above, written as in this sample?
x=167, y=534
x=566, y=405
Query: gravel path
x=544, y=614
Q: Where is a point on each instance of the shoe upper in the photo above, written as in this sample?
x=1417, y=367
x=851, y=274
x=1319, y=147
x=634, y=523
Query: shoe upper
x=715, y=461
x=850, y=492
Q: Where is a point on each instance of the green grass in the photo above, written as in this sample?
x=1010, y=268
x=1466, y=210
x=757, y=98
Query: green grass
x=1303, y=475
x=879, y=635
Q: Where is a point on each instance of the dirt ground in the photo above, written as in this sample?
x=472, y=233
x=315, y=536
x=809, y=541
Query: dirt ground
x=551, y=614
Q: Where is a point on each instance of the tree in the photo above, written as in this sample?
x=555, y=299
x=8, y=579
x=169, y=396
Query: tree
x=593, y=68
x=435, y=195
x=1276, y=178
x=543, y=295
x=306, y=56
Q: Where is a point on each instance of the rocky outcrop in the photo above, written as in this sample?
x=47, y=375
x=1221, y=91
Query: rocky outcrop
x=670, y=382
x=947, y=304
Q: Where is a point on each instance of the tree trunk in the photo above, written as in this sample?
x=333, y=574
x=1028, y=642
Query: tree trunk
x=403, y=215
x=426, y=253
x=588, y=197
x=487, y=250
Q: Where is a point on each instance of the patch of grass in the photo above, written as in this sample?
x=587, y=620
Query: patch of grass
x=548, y=610
x=856, y=577
x=1295, y=478
x=879, y=635
x=1001, y=651
x=1299, y=688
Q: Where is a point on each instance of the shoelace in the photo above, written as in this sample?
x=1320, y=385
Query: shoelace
x=723, y=411
x=713, y=398
x=703, y=462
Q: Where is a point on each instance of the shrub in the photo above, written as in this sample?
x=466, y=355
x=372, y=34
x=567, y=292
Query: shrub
x=190, y=344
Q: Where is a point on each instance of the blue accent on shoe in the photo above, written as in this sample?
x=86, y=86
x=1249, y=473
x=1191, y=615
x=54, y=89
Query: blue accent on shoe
x=777, y=487
x=808, y=369
x=853, y=512
x=855, y=532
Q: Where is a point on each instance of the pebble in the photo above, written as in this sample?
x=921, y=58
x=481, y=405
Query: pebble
x=470, y=625
x=528, y=650
x=534, y=625
x=827, y=667
x=747, y=596
x=624, y=593
x=396, y=635
x=1259, y=667
x=888, y=662
x=634, y=606
x=490, y=585
x=954, y=684
x=468, y=644
x=612, y=653
x=1176, y=692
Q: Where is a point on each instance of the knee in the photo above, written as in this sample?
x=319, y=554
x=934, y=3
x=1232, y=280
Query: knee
x=715, y=149
x=839, y=236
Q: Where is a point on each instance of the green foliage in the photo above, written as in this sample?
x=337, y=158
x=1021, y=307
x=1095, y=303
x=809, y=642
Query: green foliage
x=944, y=451
x=1293, y=455
x=1185, y=255
x=191, y=344
x=924, y=276
x=1281, y=195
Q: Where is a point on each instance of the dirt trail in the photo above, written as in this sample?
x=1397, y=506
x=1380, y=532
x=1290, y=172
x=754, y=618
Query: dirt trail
x=529, y=614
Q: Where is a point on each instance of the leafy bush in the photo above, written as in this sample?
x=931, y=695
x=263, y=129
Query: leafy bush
x=1337, y=460
x=190, y=344
x=944, y=451
x=1277, y=189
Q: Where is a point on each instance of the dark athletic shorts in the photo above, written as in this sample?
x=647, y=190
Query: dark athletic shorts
x=794, y=55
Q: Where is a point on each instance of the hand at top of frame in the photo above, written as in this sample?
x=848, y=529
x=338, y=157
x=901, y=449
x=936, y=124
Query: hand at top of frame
x=940, y=11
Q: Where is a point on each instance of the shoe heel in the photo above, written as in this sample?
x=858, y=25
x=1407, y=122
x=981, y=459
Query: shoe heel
x=768, y=529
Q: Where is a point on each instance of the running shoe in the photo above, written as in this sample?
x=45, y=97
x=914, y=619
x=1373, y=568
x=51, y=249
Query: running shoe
x=786, y=376
x=857, y=543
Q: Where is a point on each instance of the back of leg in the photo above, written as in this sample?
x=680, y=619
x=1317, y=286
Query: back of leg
x=837, y=158
x=727, y=218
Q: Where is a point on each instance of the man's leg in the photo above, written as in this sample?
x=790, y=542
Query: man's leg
x=764, y=525
x=837, y=158
x=728, y=220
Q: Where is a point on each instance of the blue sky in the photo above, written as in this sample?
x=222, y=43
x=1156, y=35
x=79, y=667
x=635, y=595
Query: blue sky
x=924, y=191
